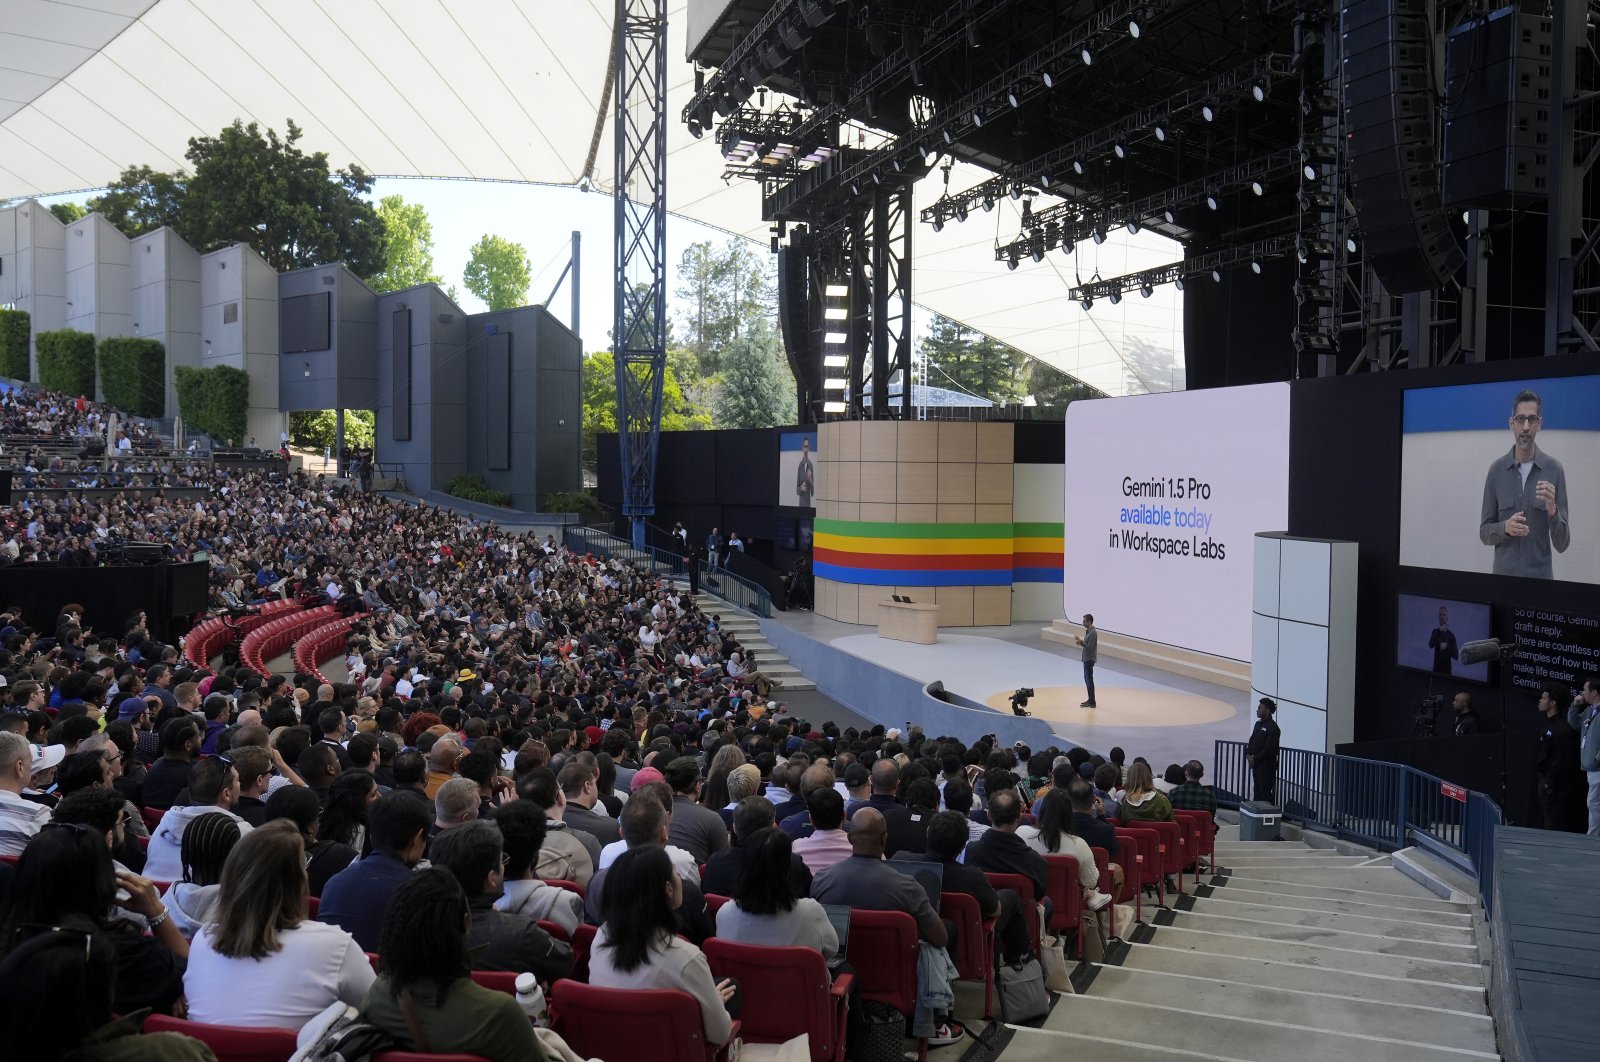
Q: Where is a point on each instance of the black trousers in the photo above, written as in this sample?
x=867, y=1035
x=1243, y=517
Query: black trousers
x=1266, y=782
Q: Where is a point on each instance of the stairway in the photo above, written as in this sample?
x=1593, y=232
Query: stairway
x=747, y=629
x=1294, y=953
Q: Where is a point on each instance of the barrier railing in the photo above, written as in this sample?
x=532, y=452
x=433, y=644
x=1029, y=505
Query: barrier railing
x=1385, y=805
x=668, y=565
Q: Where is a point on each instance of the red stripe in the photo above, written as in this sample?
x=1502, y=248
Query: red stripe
x=903, y=563
x=1036, y=560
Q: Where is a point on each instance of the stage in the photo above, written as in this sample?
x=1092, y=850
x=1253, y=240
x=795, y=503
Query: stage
x=1166, y=719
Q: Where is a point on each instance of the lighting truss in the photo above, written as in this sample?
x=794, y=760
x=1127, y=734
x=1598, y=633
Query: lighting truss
x=1199, y=266
x=956, y=117
x=760, y=144
x=1055, y=167
x=1076, y=222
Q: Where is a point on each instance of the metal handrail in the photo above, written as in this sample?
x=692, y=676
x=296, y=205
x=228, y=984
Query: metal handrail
x=740, y=592
x=1385, y=805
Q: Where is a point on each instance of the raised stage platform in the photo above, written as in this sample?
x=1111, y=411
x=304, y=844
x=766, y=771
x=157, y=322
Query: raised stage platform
x=1163, y=717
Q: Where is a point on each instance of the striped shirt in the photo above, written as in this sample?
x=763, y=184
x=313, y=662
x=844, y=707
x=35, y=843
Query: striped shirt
x=20, y=821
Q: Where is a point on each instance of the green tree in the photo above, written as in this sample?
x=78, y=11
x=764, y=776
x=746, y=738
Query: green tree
x=318, y=428
x=407, y=246
x=259, y=189
x=1053, y=388
x=143, y=200
x=755, y=389
x=966, y=360
x=600, y=402
x=498, y=273
x=722, y=293
x=67, y=213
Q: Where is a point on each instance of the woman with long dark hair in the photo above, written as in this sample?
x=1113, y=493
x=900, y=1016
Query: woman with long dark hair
x=292, y=966
x=323, y=856
x=766, y=909
x=1057, y=835
x=638, y=946
x=425, y=997
x=344, y=820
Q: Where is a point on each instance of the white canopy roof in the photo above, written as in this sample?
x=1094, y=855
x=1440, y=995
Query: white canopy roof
x=502, y=90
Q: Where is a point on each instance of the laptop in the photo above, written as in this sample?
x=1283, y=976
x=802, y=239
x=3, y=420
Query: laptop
x=839, y=916
x=929, y=875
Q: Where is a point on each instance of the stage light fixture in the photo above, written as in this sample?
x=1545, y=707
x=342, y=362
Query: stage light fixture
x=694, y=128
x=1258, y=186
x=834, y=407
x=836, y=291
x=877, y=178
x=1014, y=97
x=1087, y=55
x=973, y=41
x=1049, y=79
x=1068, y=246
x=834, y=384
x=927, y=152
x=1115, y=297
x=1078, y=166
x=988, y=203
x=855, y=187
x=949, y=137
x=834, y=338
x=1011, y=263
x=1132, y=227
x=1256, y=266
x=1087, y=303
x=1160, y=133
x=1351, y=245
x=1135, y=28
x=1120, y=149
x=977, y=117
x=1208, y=112
x=1212, y=201
x=938, y=224
x=961, y=211
x=1259, y=89
x=1098, y=235
x=1178, y=283
x=1170, y=216
x=835, y=361
x=898, y=165
x=1216, y=276
x=1036, y=252
x=1147, y=289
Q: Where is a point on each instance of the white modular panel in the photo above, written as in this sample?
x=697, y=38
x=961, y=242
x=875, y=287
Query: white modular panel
x=1265, y=587
x=1303, y=663
x=1304, y=582
x=1264, y=655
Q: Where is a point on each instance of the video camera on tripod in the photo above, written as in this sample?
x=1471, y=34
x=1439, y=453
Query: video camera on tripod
x=1019, y=700
x=1426, y=716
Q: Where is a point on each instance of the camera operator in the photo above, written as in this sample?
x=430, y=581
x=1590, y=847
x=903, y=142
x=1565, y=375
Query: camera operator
x=1466, y=719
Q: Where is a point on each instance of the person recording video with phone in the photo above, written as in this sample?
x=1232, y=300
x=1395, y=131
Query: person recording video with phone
x=1525, y=499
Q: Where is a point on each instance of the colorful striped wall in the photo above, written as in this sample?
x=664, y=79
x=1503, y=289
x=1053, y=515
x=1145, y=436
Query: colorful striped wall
x=867, y=553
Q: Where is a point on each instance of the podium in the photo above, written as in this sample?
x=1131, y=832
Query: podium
x=909, y=621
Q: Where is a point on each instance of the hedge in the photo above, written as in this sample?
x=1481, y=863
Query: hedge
x=133, y=375
x=14, y=329
x=215, y=401
x=66, y=361
x=473, y=488
x=585, y=504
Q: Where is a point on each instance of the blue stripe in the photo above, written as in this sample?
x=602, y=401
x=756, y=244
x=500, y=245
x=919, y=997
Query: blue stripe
x=1571, y=403
x=871, y=577
x=790, y=440
x=1036, y=575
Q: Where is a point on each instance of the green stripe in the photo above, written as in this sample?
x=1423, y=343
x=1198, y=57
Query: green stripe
x=867, y=529
x=1037, y=530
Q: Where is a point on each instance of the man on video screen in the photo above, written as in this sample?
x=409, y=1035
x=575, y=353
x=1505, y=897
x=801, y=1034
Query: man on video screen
x=1525, y=499
x=1443, y=643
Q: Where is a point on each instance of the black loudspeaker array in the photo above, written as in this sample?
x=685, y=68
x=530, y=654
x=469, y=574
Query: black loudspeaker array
x=800, y=339
x=1389, y=116
x=1497, y=111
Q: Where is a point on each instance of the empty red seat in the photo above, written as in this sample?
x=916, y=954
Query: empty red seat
x=1066, y=896
x=784, y=992
x=884, y=951
x=499, y=980
x=1147, y=871
x=624, y=1023
x=974, y=956
x=1023, y=887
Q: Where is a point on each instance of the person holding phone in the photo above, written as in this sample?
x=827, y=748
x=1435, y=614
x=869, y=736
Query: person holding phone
x=1524, y=513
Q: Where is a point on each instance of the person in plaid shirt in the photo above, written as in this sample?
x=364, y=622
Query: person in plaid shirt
x=1192, y=794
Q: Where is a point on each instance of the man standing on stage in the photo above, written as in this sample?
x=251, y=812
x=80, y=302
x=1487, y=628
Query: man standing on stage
x=1581, y=717
x=1561, y=783
x=1443, y=643
x=1090, y=641
x=1525, y=499
x=1262, y=751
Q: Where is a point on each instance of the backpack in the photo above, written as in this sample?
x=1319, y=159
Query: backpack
x=338, y=1035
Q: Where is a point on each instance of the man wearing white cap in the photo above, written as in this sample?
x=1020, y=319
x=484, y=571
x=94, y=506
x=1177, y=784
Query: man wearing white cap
x=20, y=819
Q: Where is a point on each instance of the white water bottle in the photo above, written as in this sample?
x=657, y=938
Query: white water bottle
x=530, y=997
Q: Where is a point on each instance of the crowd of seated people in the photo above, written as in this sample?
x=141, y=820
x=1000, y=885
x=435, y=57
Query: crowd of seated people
x=509, y=763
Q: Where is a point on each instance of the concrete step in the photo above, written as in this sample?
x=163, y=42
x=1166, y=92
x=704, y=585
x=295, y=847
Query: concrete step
x=1291, y=859
x=1376, y=881
x=1171, y=1025
x=1237, y=893
x=1395, y=924
x=1330, y=886
x=796, y=684
x=1352, y=940
x=1249, y=847
x=1313, y=1009
x=1268, y=973
x=1362, y=958
x=1037, y=1045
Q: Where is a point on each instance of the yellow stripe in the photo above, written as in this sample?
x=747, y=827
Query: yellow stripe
x=1035, y=545
x=915, y=547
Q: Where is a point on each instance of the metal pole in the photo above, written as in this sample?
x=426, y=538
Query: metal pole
x=577, y=273
x=1566, y=182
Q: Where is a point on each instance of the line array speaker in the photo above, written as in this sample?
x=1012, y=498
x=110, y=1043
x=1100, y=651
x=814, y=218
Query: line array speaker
x=1497, y=110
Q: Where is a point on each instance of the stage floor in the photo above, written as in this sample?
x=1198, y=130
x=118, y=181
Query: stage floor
x=1164, y=718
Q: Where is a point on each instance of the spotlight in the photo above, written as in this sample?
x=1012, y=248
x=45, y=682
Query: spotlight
x=1078, y=166
x=949, y=137
x=1161, y=133
x=1016, y=190
x=1170, y=216
x=1132, y=227
x=1037, y=251
x=1178, y=283
x=1067, y=246
x=1258, y=186
x=1259, y=89
x=938, y=224
x=877, y=178
x=1011, y=263
x=1351, y=245
x=1208, y=112
x=1045, y=180
x=972, y=36
x=927, y=152
x=1147, y=289
x=1256, y=265
x=1014, y=98
x=977, y=117
x=898, y=166
x=1087, y=303
x=1135, y=28
x=1115, y=297
x=855, y=187
x=1216, y=275
x=694, y=128
x=988, y=203
x=1087, y=55
x=1099, y=235
x=1212, y=202
x=1120, y=149
x=1049, y=79
x=961, y=211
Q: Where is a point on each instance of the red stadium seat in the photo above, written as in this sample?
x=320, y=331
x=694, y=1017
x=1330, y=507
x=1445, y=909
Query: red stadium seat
x=1147, y=862
x=418, y=1056
x=230, y=1043
x=499, y=980
x=974, y=956
x=582, y=945
x=618, y=1023
x=785, y=991
x=714, y=904
x=151, y=816
x=884, y=952
x=1174, y=846
x=570, y=886
x=554, y=929
x=1023, y=887
x=1066, y=896
x=1206, y=835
